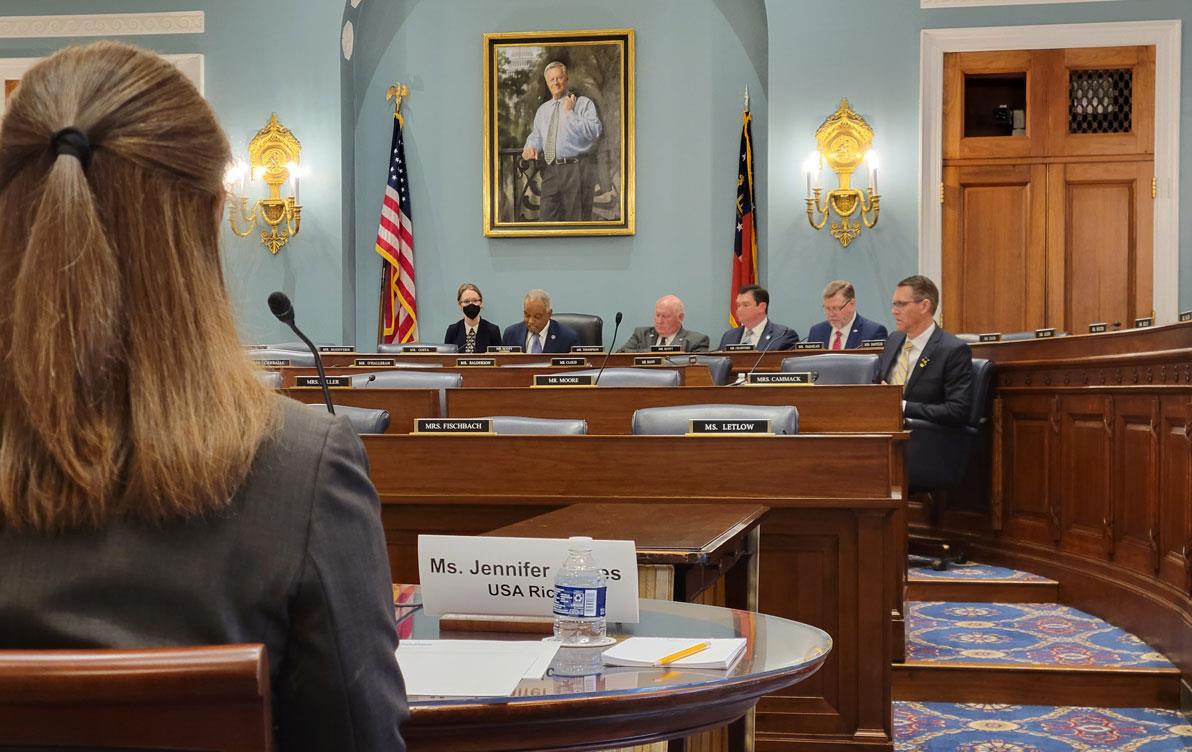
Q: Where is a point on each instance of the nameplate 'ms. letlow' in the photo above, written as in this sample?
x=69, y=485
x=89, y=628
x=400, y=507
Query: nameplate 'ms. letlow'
x=728, y=427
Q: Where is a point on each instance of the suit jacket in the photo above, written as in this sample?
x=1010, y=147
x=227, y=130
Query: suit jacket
x=297, y=561
x=559, y=338
x=773, y=337
x=939, y=387
x=487, y=333
x=862, y=330
x=644, y=337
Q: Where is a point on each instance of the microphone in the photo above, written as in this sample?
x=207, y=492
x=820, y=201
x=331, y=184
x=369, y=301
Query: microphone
x=611, y=345
x=279, y=304
x=758, y=362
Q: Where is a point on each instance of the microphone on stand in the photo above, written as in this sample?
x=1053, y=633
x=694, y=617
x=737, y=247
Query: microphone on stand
x=611, y=345
x=756, y=363
x=283, y=309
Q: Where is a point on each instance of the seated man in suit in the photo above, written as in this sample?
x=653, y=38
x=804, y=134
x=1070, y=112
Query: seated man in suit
x=667, y=330
x=472, y=334
x=538, y=334
x=844, y=328
x=752, y=309
x=934, y=367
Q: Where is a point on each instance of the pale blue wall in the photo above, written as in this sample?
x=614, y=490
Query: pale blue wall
x=692, y=68
x=261, y=56
x=869, y=52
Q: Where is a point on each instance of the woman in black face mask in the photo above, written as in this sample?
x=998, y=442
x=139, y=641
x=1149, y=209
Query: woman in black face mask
x=472, y=334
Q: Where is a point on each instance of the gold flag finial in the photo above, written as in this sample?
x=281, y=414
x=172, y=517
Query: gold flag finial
x=397, y=92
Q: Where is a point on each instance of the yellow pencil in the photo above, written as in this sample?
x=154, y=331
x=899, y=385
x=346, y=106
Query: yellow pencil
x=699, y=647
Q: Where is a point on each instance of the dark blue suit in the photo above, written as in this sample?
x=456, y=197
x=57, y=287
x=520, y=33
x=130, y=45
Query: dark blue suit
x=862, y=330
x=559, y=338
x=487, y=333
x=774, y=337
x=939, y=386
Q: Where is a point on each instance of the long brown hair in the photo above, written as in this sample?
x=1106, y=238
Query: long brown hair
x=126, y=392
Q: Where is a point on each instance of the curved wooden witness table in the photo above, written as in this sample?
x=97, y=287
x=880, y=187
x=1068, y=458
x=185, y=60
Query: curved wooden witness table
x=622, y=706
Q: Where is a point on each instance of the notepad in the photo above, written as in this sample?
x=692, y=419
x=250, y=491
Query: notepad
x=471, y=668
x=722, y=653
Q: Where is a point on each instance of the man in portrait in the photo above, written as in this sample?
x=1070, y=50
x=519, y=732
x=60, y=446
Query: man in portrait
x=563, y=140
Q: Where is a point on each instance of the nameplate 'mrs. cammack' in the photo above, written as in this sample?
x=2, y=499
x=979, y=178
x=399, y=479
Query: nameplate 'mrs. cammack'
x=990, y=337
x=475, y=362
x=453, y=425
x=374, y=362
x=873, y=343
x=728, y=427
x=1045, y=333
x=809, y=345
x=337, y=348
x=333, y=382
x=504, y=348
x=550, y=379
x=573, y=362
x=734, y=348
x=1098, y=327
x=587, y=349
x=1143, y=322
x=796, y=378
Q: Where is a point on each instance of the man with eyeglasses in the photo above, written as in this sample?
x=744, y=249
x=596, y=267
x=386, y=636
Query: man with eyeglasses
x=934, y=368
x=844, y=328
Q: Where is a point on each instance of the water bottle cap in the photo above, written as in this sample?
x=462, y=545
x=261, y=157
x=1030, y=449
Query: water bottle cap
x=579, y=543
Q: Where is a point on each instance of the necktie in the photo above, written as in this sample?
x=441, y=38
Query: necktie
x=552, y=133
x=536, y=343
x=903, y=368
x=836, y=343
x=661, y=341
x=747, y=337
x=470, y=341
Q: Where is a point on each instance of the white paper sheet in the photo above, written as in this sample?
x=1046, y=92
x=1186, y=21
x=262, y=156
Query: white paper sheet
x=721, y=653
x=471, y=668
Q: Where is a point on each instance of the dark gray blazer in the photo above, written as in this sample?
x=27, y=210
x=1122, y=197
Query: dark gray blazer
x=644, y=337
x=297, y=562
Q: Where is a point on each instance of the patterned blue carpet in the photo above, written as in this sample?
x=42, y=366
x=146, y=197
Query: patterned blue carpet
x=919, y=568
x=945, y=727
x=1021, y=633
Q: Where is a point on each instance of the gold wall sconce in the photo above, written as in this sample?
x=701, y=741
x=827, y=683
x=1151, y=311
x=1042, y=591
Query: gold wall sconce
x=274, y=156
x=842, y=141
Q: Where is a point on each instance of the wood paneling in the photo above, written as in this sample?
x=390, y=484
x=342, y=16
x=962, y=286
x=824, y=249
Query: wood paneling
x=995, y=230
x=1085, y=496
x=1141, y=137
x=1175, y=491
x=1135, y=466
x=958, y=66
x=1030, y=433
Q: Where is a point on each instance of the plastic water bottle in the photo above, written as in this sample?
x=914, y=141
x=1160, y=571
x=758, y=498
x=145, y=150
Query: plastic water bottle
x=580, y=589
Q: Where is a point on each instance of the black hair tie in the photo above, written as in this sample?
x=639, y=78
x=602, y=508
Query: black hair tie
x=73, y=142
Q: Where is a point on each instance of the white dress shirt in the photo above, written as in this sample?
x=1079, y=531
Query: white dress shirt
x=917, y=345
x=843, y=331
x=756, y=336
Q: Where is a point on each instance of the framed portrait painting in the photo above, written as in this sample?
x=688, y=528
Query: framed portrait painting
x=558, y=143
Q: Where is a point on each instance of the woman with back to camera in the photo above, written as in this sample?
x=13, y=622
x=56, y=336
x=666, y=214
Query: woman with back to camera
x=472, y=334
x=152, y=492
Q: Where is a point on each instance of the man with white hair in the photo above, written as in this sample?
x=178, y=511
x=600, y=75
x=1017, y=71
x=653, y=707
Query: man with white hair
x=566, y=129
x=668, y=330
x=538, y=333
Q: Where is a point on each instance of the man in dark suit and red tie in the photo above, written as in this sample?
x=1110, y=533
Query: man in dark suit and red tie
x=844, y=328
x=934, y=368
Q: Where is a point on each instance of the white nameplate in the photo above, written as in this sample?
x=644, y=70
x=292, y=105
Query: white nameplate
x=275, y=362
x=463, y=574
x=1186, y=316
x=990, y=337
x=1143, y=322
x=1045, y=333
x=1098, y=328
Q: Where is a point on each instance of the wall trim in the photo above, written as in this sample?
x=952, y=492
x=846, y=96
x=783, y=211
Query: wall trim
x=932, y=4
x=1164, y=35
x=103, y=24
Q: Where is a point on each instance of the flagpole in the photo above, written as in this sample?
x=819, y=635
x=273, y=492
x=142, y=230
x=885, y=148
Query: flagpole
x=747, y=97
x=396, y=92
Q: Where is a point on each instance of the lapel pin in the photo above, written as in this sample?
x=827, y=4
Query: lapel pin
x=923, y=362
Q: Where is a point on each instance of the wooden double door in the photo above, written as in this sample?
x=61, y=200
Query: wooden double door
x=1048, y=188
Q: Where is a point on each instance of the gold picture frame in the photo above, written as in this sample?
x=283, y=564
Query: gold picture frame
x=586, y=186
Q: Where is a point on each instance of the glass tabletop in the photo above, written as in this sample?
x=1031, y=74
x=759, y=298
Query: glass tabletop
x=774, y=646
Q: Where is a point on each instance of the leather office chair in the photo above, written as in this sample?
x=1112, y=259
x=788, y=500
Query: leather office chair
x=211, y=698
x=363, y=419
x=721, y=366
x=676, y=420
x=631, y=376
x=518, y=425
x=588, y=327
x=410, y=380
x=303, y=358
x=835, y=368
x=938, y=456
x=271, y=379
x=391, y=347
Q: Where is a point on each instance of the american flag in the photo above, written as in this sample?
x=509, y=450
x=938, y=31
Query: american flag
x=745, y=237
x=395, y=243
